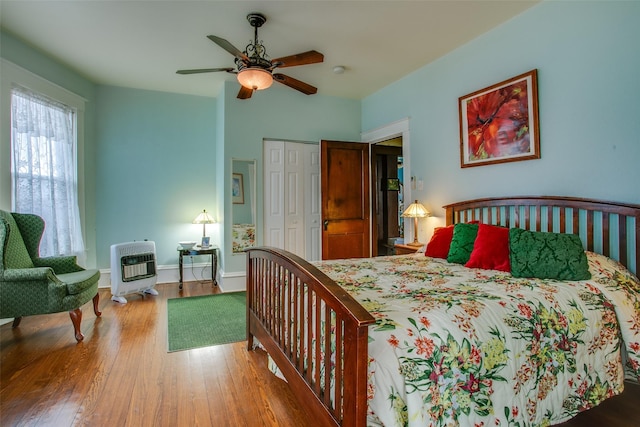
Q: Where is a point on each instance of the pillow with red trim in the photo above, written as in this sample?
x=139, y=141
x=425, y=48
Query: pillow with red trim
x=438, y=246
x=490, y=249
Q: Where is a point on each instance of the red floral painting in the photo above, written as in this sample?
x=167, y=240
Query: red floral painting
x=500, y=123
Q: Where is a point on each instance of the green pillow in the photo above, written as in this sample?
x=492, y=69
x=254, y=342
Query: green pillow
x=464, y=236
x=547, y=255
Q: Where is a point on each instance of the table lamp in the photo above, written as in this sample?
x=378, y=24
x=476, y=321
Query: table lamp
x=204, y=218
x=415, y=211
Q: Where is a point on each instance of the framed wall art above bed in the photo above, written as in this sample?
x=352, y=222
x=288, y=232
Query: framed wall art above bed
x=499, y=123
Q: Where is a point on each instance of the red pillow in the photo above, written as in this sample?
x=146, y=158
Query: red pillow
x=491, y=249
x=438, y=246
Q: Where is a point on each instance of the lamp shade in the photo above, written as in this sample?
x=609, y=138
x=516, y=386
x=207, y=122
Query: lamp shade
x=204, y=218
x=415, y=210
x=255, y=78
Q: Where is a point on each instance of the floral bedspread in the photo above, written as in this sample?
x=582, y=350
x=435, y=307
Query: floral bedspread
x=459, y=346
x=243, y=237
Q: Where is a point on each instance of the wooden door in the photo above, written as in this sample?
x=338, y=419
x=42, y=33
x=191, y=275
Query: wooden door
x=344, y=174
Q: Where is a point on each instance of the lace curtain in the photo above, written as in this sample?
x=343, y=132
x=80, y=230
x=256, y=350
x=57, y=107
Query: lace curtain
x=44, y=174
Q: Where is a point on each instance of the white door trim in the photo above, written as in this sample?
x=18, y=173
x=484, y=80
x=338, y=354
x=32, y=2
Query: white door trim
x=392, y=130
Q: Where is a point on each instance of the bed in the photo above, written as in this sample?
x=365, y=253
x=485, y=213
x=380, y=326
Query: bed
x=418, y=340
x=243, y=237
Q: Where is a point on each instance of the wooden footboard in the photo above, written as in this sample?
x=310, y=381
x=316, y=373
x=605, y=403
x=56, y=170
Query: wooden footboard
x=315, y=332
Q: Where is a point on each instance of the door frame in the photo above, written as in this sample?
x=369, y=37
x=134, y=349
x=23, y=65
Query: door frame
x=375, y=191
x=399, y=128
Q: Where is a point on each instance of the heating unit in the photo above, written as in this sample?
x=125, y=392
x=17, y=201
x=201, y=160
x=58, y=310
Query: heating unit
x=133, y=269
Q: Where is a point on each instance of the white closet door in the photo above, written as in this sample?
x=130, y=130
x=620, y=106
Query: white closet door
x=274, y=216
x=292, y=198
x=313, y=232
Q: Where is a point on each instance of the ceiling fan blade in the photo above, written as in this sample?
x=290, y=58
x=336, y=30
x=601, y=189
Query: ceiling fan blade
x=296, y=84
x=245, y=93
x=204, y=70
x=304, y=58
x=229, y=47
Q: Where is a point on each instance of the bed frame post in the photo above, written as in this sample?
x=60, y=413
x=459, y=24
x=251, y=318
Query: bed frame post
x=249, y=290
x=289, y=304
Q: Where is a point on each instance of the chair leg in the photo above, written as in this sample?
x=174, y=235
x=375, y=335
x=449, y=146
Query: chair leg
x=16, y=322
x=96, y=309
x=76, y=318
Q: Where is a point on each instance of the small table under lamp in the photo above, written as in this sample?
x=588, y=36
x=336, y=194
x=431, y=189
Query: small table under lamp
x=204, y=218
x=415, y=211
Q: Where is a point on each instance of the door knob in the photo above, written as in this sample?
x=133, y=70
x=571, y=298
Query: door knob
x=325, y=223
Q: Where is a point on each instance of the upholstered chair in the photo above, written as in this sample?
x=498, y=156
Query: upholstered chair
x=32, y=285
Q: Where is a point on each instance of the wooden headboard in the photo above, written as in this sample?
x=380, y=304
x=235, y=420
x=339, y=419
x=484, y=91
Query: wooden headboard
x=608, y=228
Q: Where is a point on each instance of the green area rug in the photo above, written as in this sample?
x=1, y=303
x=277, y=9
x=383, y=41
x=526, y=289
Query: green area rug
x=206, y=320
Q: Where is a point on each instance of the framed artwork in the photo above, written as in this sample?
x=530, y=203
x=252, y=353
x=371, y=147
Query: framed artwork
x=393, y=184
x=237, y=189
x=499, y=123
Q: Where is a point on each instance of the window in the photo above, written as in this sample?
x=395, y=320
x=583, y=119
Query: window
x=44, y=169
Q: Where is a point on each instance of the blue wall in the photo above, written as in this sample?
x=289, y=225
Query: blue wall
x=588, y=62
x=156, y=168
x=283, y=114
x=159, y=159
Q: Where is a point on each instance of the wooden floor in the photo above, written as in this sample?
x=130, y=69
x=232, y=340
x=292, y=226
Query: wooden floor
x=122, y=375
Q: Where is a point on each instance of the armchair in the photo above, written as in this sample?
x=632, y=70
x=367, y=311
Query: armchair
x=32, y=285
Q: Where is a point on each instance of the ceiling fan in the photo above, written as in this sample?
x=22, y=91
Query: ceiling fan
x=254, y=68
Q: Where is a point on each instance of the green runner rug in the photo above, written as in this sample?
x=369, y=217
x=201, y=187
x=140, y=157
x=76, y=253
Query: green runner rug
x=206, y=320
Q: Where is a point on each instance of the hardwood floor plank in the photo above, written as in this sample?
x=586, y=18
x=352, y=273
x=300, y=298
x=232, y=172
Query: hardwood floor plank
x=217, y=383
x=122, y=374
x=147, y=396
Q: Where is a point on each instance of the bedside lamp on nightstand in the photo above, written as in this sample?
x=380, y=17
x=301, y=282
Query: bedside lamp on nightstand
x=204, y=218
x=415, y=211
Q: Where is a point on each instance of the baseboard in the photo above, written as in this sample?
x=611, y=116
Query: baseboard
x=228, y=281
x=168, y=274
x=233, y=281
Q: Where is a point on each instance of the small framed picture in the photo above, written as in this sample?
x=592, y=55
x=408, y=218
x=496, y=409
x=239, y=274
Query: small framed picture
x=205, y=242
x=393, y=184
x=237, y=189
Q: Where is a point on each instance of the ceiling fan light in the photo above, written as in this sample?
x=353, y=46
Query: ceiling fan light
x=255, y=78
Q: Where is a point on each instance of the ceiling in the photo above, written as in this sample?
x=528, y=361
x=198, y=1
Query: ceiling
x=141, y=44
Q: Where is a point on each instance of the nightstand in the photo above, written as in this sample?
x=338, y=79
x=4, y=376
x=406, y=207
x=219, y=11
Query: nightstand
x=197, y=250
x=405, y=249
